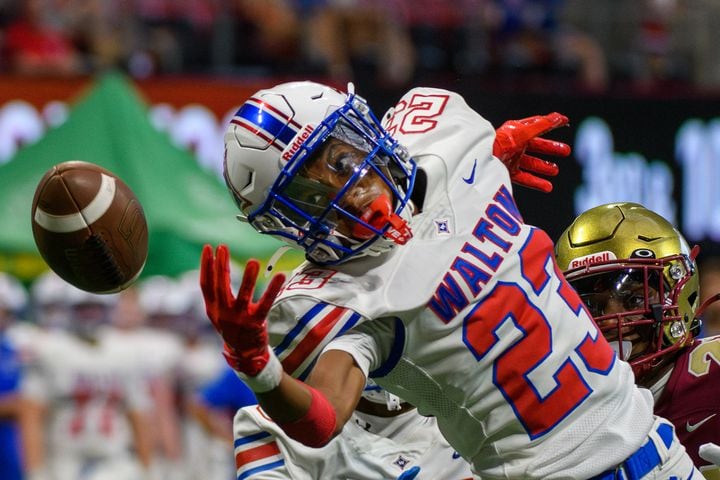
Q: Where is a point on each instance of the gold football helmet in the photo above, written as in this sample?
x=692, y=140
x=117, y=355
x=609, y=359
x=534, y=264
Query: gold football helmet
x=638, y=279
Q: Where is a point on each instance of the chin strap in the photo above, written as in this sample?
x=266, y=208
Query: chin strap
x=275, y=258
x=378, y=214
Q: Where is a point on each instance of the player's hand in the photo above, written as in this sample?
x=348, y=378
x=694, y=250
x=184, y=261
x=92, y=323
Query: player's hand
x=239, y=320
x=710, y=453
x=516, y=138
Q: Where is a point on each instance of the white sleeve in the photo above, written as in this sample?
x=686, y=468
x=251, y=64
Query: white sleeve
x=137, y=391
x=369, y=344
x=260, y=447
x=35, y=386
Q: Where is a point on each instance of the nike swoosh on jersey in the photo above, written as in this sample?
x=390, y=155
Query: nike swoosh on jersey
x=471, y=179
x=691, y=427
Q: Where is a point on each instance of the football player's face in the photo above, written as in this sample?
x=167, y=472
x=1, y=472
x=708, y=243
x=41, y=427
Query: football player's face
x=87, y=318
x=610, y=295
x=630, y=300
x=333, y=165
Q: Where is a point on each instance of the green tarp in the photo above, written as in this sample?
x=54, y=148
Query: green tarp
x=185, y=205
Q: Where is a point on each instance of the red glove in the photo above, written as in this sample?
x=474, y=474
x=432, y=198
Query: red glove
x=240, y=322
x=516, y=137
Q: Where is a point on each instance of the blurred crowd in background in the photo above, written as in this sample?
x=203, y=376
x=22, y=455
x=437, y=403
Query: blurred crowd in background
x=581, y=43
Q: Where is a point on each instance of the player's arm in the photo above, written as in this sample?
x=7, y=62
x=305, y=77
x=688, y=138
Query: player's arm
x=336, y=377
x=9, y=406
x=166, y=416
x=312, y=412
x=140, y=422
x=210, y=420
x=140, y=410
x=32, y=424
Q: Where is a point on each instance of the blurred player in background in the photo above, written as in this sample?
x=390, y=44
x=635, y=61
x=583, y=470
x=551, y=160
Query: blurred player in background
x=199, y=365
x=49, y=302
x=422, y=275
x=213, y=408
x=13, y=301
x=161, y=328
x=86, y=410
x=162, y=354
x=639, y=280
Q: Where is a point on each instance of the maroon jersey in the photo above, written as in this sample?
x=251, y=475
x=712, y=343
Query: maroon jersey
x=691, y=399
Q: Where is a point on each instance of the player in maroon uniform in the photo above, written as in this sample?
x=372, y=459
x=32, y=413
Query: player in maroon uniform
x=639, y=280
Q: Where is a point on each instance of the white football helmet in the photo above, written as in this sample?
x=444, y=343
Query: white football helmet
x=13, y=297
x=272, y=136
x=89, y=312
x=50, y=300
x=164, y=296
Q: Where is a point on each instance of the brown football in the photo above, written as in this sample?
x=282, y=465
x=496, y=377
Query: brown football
x=89, y=227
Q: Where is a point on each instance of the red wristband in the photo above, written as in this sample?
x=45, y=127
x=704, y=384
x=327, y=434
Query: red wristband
x=316, y=427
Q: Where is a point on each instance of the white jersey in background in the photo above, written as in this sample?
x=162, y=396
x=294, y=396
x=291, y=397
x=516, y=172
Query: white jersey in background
x=88, y=391
x=204, y=457
x=521, y=382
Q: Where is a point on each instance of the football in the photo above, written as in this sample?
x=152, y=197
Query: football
x=89, y=227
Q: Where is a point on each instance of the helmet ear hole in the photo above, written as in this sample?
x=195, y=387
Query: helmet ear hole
x=250, y=182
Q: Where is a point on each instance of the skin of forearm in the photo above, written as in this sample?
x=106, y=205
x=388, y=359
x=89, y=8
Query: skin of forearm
x=335, y=375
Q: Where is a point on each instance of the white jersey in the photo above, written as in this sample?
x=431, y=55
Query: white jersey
x=471, y=320
x=202, y=460
x=88, y=392
x=368, y=448
x=155, y=355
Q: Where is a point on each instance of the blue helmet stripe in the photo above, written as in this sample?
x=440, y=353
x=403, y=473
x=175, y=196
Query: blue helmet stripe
x=261, y=118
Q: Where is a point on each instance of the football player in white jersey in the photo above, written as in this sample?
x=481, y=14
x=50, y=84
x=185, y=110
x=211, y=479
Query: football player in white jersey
x=86, y=412
x=199, y=364
x=423, y=275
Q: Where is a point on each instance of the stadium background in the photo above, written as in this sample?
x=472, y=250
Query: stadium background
x=146, y=87
x=639, y=79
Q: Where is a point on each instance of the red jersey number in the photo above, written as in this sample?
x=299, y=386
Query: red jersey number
x=539, y=413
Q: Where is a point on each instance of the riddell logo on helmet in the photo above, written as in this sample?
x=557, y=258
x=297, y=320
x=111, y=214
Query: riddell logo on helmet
x=591, y=259
x=297, y=143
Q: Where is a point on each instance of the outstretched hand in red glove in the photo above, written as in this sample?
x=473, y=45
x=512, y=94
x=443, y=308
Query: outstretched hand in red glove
x=240, y=321
x=516, y=138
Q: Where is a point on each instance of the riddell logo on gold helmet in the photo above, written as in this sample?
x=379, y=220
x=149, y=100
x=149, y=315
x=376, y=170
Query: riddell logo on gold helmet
x=592, y=259
x=297, y=143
